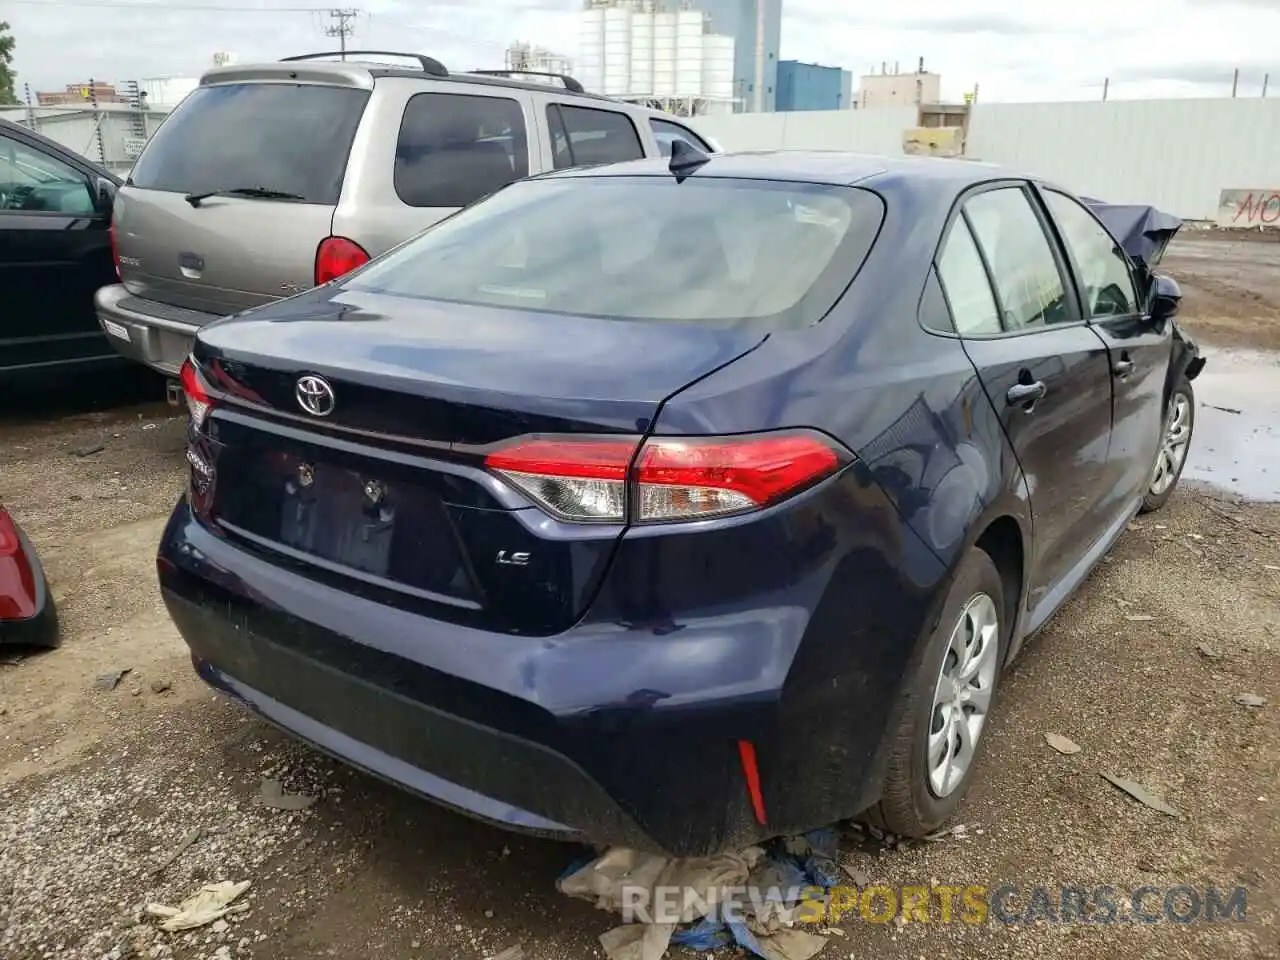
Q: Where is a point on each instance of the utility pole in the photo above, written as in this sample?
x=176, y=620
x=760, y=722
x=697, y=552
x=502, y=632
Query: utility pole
x=343, y=27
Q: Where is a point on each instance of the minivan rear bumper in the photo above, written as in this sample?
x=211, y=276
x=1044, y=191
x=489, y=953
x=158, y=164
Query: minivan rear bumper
x=156, y=334
x=555, y=736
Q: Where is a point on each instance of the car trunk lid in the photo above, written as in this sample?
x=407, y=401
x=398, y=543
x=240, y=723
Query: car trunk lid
x=226, y=255
x=386, y=491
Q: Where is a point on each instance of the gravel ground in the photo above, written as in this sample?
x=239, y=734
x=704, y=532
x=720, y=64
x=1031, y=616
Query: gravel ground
x=116, y=798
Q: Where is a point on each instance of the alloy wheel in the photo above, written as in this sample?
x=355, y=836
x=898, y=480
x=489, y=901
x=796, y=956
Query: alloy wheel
x=1173, y=445
x=962, y=695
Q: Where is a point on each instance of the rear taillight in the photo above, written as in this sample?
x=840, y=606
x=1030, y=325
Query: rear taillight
x=17, y=580
x=9, y=541
x=668, y=478
x=115, y=249
x=337, y=256
x=199, y=403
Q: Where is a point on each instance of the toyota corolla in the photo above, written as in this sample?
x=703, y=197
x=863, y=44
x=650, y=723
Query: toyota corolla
x=680, y=503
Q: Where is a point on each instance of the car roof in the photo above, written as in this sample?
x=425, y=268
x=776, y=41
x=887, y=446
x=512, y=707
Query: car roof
x=365, y=73
x=812, y=166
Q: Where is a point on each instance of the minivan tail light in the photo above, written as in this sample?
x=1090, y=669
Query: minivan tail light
x=670, y=478
x=115, y=249
x=337, y=256
x=199, y=403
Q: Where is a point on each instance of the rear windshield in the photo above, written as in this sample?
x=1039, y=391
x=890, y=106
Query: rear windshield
x=291, y=138
x=644, y=248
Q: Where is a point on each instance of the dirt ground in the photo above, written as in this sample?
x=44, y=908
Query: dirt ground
x=115, y=798
x=1231, y=287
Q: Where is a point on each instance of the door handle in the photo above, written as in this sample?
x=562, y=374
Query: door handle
x=1123, y=368
x=1026, y=394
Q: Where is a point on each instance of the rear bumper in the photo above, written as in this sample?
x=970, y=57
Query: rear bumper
x=564, y=736
x=156, y=334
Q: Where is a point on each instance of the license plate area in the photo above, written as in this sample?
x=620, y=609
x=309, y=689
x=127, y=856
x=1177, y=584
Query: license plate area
x=355, y=515
x=340, y=516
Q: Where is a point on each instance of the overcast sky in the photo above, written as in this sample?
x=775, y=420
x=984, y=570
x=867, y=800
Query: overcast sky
x=1029, y=50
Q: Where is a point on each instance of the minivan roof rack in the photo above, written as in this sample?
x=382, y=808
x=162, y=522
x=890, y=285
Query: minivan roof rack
x=568, y=81
x=429, y=64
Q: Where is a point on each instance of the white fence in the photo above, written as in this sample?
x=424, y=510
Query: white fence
x=860, y=131
x=1178, y=155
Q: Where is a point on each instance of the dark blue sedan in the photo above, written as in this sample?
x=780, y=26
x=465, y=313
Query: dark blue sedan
x=677, y=504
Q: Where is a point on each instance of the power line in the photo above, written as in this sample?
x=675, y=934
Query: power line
x=162, y=7
x=343, y=27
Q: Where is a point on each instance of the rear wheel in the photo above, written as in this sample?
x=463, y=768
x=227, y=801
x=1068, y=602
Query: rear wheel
x=1175, y=442
x=940, y=735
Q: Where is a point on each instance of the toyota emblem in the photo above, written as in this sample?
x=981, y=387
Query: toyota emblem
x=314, y=395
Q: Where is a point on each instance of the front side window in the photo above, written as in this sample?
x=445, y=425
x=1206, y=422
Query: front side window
x=454, y=149
x=1103, y=266
x=1026, y=274
x=644, y=249
x=966, y=285
x=584, y=135
x=35, y=182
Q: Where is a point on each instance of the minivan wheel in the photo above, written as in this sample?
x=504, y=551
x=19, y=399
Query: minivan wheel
x=1175, y=442
x=939, y=737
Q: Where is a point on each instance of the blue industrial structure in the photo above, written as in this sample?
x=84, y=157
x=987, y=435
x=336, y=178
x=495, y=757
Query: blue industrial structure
x=756, y=28
x=811, y=86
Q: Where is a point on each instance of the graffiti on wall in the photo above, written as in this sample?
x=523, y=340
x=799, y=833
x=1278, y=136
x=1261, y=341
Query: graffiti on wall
x=1249, y=208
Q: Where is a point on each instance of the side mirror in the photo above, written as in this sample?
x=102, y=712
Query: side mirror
x=104, y=195
x=1166, y=298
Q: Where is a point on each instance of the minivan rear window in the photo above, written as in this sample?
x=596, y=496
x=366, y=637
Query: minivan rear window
x=708, y=249
x=291, y=138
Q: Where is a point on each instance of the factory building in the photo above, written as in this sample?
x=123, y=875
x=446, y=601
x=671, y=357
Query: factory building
x=892, y=88
x=811, y=86
x=643, y=51
x=719, y=55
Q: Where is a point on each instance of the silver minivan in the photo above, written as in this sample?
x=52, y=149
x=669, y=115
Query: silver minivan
x=269, y=179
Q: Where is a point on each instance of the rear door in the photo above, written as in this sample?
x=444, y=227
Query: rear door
x=225, y=253
x=432, y=148
x=1139, y=350
x=54, y=253
x=1044, y=369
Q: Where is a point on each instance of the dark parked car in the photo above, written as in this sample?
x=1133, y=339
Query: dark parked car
x=673, y=504
x=55, y=252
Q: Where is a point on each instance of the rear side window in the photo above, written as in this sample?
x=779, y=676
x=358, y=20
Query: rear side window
x=666, y=132
x=454, y=149
x=965, y=283
x=1026, y=274
x=581, y=136
x=714, y=250
x=293, y=138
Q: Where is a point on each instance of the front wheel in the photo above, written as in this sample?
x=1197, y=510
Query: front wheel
x=1175, y=442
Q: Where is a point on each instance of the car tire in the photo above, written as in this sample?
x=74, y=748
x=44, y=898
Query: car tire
x=918, y=796
x=1171, y=457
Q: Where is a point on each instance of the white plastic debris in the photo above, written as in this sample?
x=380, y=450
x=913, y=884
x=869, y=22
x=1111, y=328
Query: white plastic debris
x=211, y=902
